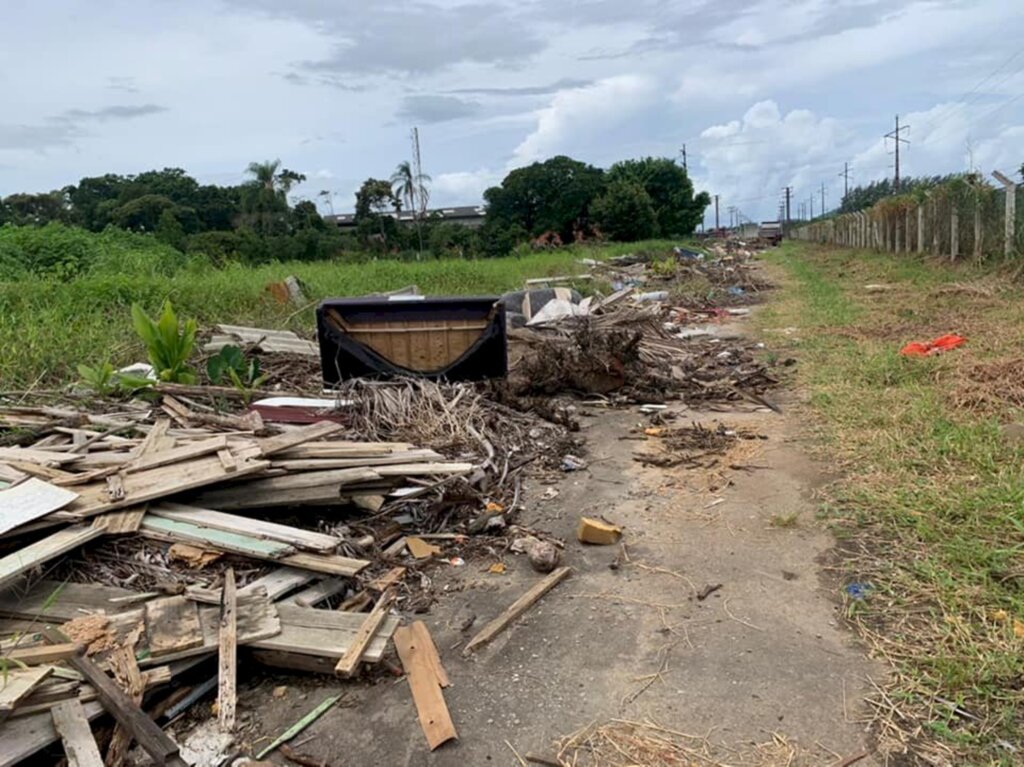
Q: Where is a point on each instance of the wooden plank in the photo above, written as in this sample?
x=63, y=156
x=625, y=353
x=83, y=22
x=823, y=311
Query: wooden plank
x=162, y=481
x=128, y=520
x=24, y=559
x=43, y=700
x=241, y=497
x=349, y=662
x=178, y=454
x=32, y=656
x=26, y=735
x=31, y=500
x=315, y=464
x=172, y=625
x=153, y=740
x=120, y=522
x=164, y=529
x=343, y=449
x=35, y=455
x=128, y=677
x=228, y=654
x=387, y=580
x=332, y=564
x=324, y=633
x=426, y=692
x=318, y=592
x=517, y=608
x=426, y=643
x=253, y=528
x=228, y=460
x=72, y=724
x=59, y=601
x=279, y=582
x=295, y=437
x=17, y=683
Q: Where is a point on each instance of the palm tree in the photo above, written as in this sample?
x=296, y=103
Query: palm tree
x=412, y=187
x=265, y=173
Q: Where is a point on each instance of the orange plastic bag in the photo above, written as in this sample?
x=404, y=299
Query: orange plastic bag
x=935, y=346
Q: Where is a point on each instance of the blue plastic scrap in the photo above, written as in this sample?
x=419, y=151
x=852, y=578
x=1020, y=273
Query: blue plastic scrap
x=858, y=591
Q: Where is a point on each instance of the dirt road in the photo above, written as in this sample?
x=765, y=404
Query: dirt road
x=761, y=667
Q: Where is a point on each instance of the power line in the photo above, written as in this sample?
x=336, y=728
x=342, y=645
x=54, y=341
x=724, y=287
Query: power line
x=965, y=99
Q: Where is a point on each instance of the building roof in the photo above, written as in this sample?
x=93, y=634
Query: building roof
x=455, y=212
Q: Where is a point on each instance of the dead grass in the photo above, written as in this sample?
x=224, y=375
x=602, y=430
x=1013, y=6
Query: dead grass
x=991, y=388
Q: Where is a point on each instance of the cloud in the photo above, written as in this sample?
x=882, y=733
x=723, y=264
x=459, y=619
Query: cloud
x=397, y=37
x=114, y=112
x=331, y=81
x=436, y=109
x=577, y=114
x=37, y=138
x=125, y=84
x=463, y=187
x=526, y=90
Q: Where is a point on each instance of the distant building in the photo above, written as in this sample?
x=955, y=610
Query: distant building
x=466, y=215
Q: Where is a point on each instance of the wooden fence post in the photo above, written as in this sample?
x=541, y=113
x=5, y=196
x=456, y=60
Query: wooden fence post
x=935, y=227
x=920, y=229
x=1009, y=231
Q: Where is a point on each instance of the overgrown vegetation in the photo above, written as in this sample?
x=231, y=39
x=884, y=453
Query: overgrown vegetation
x=49, y=326
x=930, y=511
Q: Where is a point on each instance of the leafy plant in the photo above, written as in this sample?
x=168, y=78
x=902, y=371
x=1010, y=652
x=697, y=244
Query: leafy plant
x=168, y=343
x=100, y=379
x=230, y=364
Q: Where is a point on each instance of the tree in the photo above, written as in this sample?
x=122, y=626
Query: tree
x=554, y=195
x=676, y=209
x=142, y=213
x=625, y=212
x=374, y=198
x=170, y=230
x=412, y=187
x=265, y=198
x=35, y=209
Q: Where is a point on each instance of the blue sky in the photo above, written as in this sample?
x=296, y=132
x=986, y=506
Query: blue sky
x=763, y=94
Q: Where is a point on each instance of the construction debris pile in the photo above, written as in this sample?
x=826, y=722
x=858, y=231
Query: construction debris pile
x=195, y=515
x=638, y=344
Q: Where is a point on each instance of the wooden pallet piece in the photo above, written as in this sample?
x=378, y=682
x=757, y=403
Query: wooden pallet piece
x=17, y=683
x=60, y=601
x=54, y=545
x=34, y=656
x=153, y=740
x=32, y=499
x=228, y=653
x=324, y=633
x=349, y=662
x=517, y=608
x=45, y=699
x=172, y=625
x=172, y=530
x=27, y=735
x=128, y=520
x=72, y=724
x=421, y=672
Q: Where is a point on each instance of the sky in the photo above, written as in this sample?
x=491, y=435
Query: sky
x=764, y=94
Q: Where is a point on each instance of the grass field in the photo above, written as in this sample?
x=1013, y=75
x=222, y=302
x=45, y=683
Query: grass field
x=48, y=327
x=930, y=511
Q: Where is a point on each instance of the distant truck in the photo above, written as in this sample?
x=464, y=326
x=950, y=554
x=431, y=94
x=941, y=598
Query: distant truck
x=770, y=231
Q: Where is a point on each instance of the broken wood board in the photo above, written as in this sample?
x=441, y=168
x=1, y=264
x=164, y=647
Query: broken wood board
x=61, y=601
x=32, y=499
x=54, y=545
x=349, y=662
x=318, y=592
x=424, y=684
x=72, y=724
x=178, y=454
x=322, y=464
x=45, y=699
x=172, y=625
x=33, y=656
x=37, y=455
x=257, y=619
x=254, y=528
x=227, y=656
x=17, y=683
x=153, y=740
x=152, y=484
x=236, y=498
x=517, y=608
x=325, y=633
x=269, y=341
x=27, y=735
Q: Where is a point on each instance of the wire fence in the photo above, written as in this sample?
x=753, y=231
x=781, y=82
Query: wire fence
x=962, y=218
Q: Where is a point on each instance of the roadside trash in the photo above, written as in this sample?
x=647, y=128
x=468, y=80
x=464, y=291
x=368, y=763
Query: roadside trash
x=648, y=409
x=597, y=532
x=544, y=556
x=457, y=562
x=420, y=549
x=858, y=591
x=655, y=295
x=572, y=463
x=735, y=290
x=935, y=346
x=687, y=253
x=498, y=568
x=550, y=494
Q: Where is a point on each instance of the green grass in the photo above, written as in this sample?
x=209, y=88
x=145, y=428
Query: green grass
x=931, y=508
x=48, y=326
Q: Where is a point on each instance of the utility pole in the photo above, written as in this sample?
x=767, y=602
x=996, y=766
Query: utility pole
x=788, y=190
x=683, y=153
x=716, y=212
x=810, y=202
x=846, y=180
x=418, y=206
x=897, y=139
x=823, y=198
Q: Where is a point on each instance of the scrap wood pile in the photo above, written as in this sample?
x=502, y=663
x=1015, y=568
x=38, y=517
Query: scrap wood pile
x=134, y=533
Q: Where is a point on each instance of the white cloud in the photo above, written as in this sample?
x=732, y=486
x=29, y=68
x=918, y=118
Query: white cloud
x=462, y=187
x=581, y=113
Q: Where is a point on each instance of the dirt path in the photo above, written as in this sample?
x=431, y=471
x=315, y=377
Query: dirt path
x=764, y=654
